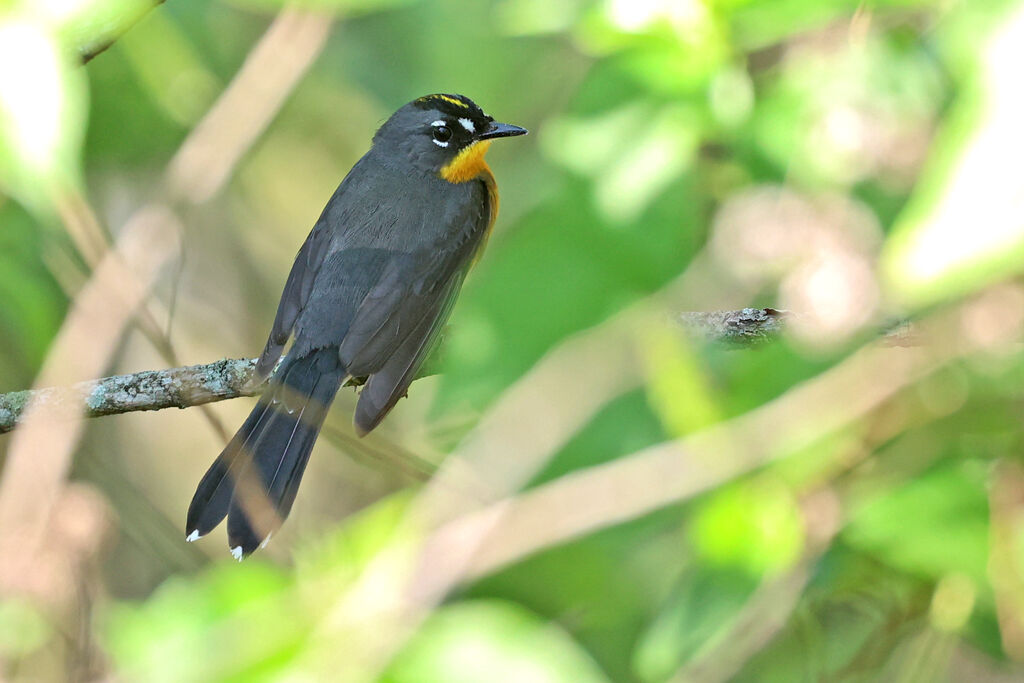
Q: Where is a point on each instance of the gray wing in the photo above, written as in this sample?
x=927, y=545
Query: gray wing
x=395, y=325
x=396, y=358
x=296, y=293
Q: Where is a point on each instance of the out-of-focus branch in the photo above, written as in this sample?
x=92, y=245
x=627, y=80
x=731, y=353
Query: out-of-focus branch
x=206, y=160
x=197, y=385
x=39, y=454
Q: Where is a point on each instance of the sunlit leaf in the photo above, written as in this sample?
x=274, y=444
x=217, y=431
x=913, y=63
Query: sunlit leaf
x=355, y=543
x=965, y=225
x=249, y=621
x=42, y=111
x=22, y=629
x=753, y=525
x=229, y=620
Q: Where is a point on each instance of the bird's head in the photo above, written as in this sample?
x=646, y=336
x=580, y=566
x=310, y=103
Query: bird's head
x=444, y=134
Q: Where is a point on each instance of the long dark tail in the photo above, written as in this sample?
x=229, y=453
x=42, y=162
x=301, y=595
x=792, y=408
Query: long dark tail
x=254, y=480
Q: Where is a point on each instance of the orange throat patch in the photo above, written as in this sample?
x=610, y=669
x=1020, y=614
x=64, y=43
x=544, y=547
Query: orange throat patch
x=467, y=164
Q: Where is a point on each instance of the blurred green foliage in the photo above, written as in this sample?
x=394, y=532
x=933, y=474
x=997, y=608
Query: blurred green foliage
x=649, y=119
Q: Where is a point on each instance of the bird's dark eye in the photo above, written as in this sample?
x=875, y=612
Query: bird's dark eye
x=442, y=133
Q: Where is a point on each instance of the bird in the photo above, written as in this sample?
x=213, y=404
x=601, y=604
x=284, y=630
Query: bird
x=369, y=290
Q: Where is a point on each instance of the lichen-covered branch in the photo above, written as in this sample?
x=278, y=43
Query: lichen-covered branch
x=743, y=327
x=149, y=390
x=198, y=384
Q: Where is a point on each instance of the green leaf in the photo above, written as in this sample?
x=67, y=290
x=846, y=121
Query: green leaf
x=677, y=387
x=226, y=622
x=492, y=641
x=22, y=629
x=348, y=7
x=246, y=621
x=86, y=26
x=753, y=525
x=931, y=526
x=704, y=604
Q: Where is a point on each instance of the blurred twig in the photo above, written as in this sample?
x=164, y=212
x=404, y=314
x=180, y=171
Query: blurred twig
x=393, y=456
x=205, y=161
x=89, y=51
x=196, y=385
x=39, y=455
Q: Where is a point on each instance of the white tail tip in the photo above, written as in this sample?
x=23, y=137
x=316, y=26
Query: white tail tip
x=194, y=536
x=236, y=553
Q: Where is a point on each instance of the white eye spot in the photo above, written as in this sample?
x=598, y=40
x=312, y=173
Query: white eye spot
x=442, y=133
x=468, y=125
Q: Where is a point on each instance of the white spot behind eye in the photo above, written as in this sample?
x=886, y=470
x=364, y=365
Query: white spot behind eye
x=468, y=125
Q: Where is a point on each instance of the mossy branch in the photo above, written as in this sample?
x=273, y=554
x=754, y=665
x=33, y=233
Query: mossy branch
x=148, y=390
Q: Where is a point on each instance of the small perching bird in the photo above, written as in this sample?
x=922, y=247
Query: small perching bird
x=369, y=290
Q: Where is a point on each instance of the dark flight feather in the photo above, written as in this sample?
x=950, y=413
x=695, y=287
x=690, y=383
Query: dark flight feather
x=293, y=298
x=390, y=382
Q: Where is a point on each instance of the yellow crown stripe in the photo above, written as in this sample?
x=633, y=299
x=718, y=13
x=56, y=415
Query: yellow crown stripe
x=450, y=100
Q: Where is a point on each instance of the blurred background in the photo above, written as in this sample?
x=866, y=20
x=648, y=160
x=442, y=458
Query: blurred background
x=586, y=492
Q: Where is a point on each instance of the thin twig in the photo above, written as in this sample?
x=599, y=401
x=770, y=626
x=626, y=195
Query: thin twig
x=90, y=50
